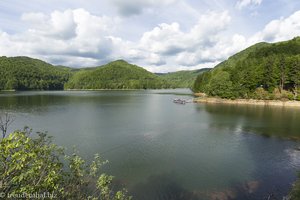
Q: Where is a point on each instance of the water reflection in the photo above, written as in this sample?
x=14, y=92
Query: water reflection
x=265, y=120
x=162, y=187
x=272, y=123
x=166, y=187
x=294, y=156
x=45, y=101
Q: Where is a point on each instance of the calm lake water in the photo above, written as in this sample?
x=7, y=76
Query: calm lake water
x=161, y=150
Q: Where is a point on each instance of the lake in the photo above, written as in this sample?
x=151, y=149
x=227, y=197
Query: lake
x=162, y=150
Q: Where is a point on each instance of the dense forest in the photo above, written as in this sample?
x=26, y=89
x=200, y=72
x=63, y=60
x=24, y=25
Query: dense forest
x=262, y=71
x=183, y=79
x=116, y=75
x=23, y=73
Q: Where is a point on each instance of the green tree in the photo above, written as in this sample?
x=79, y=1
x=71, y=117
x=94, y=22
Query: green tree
x=295, y=76
x=221, y=85
x=202, y=82
x=117, y=75
x=11, y=84
x=33, y=165
x=24, y=73
x=262, y=65
x=282, y=75
x=30, y=165
x=269, y=75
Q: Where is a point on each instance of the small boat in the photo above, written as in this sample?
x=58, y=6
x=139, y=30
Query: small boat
x=180, y=101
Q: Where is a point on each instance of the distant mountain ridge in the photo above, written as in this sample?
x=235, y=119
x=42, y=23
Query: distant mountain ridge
x=25, y=73
x=184, y=78
x=116, y=75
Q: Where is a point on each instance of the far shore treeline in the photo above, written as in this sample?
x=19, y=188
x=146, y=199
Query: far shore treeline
x=24, y=73
x=262, y=71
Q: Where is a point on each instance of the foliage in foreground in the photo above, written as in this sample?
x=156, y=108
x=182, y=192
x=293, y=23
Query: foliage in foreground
x=33, y=165
x=295, y=192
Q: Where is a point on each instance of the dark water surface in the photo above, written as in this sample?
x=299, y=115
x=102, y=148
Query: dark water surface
x=161, y=150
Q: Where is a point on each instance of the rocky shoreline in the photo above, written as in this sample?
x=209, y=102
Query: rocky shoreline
x=247, y=102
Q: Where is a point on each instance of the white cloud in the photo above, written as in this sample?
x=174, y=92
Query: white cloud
x=169, y=39
x=192, y=47
x=156, y=59
x=245, y=3
x=134, y=7
x=164, y=39
x=92, y=41
x=205, y=44
x=89, y=25
x=216, y=53
x=63, y=36
x=280, y=29
x=79, y=38
x=35, y=19
x=58, y=25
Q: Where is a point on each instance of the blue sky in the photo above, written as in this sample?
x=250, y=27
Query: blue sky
x=159, y=35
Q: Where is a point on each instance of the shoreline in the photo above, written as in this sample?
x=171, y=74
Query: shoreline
x=100, y=89
x=215, y=100
x=121, y=89
x=91, y=90
x=7, y=90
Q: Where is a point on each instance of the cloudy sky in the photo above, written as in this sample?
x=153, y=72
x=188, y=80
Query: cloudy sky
x=160, y=35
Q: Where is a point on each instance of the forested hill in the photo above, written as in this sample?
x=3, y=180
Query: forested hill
x=262, y=71
x=116, y=75
x=24, y=73
x=183, y=79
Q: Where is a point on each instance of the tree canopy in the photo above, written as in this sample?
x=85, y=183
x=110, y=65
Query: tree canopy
x=116, y=75
x=262, y=71
x=183, y=79
x=24, y=73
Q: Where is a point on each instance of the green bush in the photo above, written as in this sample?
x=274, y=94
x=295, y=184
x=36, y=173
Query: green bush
x=260, y=93
x=34, y=165
x=283, y=95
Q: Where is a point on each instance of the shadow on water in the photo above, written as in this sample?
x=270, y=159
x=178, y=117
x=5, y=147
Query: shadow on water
x=264, y=120
x=165, y=187
x=161, y=187
x=41, y=101
x=274, y=167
